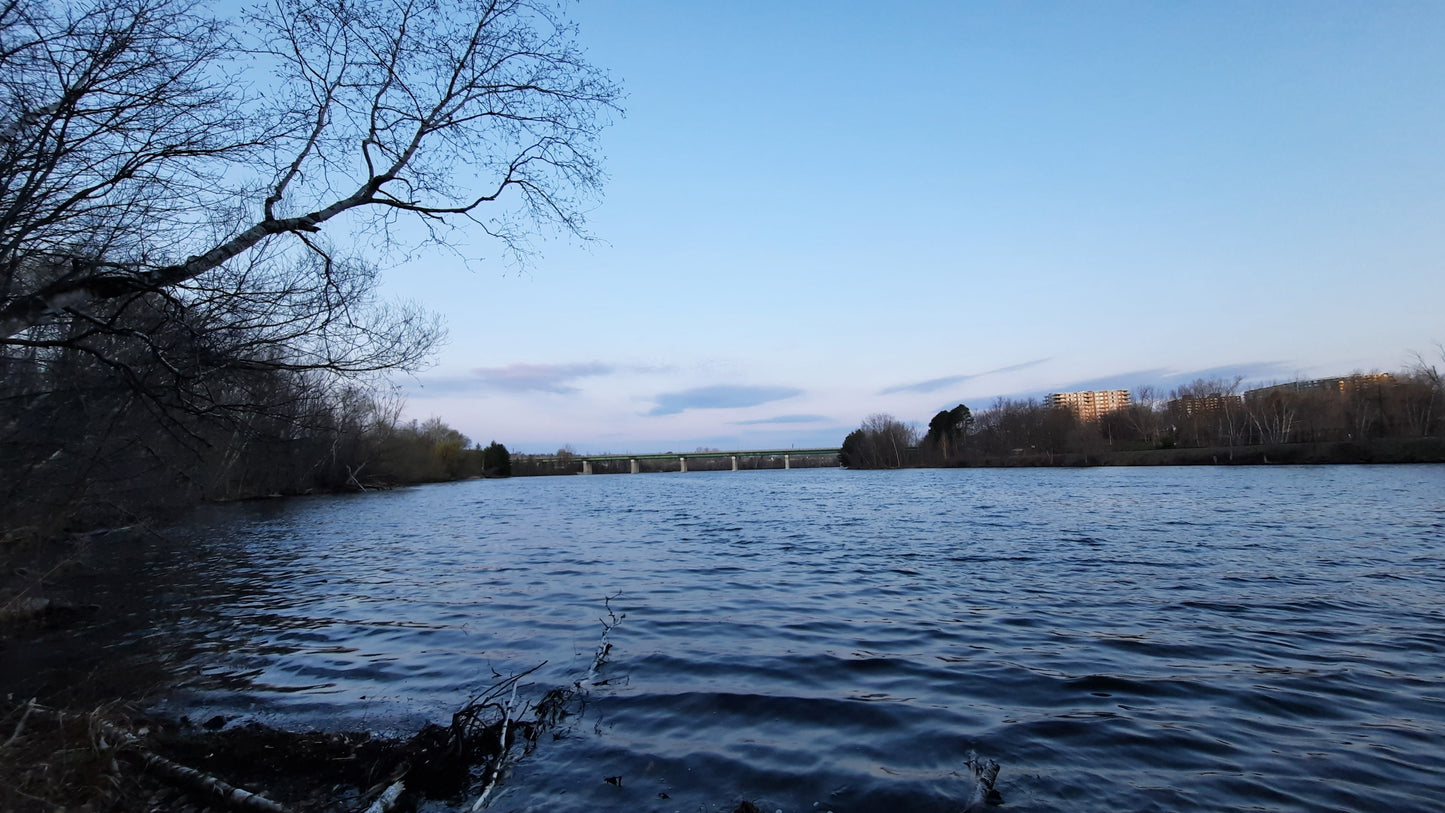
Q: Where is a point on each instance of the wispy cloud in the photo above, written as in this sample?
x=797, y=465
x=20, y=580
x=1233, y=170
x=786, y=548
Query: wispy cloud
x=1250, y=371
x=1165, y=380
x=1117, y=381
x=936, y=384
x=722, y=396
x=784, y=419
x=515, y=378
x=931, y=385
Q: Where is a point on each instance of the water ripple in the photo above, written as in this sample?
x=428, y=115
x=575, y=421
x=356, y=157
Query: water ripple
x=1162, y=639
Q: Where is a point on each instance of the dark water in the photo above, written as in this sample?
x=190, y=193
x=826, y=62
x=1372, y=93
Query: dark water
x=1118, y=640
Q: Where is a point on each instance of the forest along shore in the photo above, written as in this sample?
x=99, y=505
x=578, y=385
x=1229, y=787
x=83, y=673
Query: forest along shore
x=1398, y=450
x=1358, y=418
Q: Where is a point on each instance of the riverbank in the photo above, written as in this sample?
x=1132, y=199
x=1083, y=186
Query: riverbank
x=1399, y=450
x=114, y=758
x=82, y=733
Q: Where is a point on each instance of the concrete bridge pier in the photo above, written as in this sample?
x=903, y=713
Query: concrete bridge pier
x=586, y=466
x=787, y=462
x=635, y=467
x=735, y=462
x=683, y=468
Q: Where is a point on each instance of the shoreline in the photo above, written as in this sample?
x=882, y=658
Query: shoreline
x=1397, y=451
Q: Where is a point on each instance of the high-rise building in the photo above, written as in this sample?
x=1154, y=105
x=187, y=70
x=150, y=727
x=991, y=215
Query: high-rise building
x=1340, y=385
x=1211, y=404
x=1089, y=405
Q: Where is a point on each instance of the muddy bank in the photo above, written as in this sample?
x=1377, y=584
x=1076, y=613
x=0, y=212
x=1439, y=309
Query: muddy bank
x=117, y=758
x=77, y=730
x=105, y=760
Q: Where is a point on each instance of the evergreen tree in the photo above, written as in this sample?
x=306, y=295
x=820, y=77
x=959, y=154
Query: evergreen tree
x=496, y=461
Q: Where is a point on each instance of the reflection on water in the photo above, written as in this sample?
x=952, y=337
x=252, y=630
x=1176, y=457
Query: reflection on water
x=1160, y=639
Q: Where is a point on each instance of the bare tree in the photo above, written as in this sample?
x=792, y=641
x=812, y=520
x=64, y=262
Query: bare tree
x=1420, y=392
x=1273, y=414
x=134, y=159
x=1208, y=411
x=882, y=442
x=1143, y=413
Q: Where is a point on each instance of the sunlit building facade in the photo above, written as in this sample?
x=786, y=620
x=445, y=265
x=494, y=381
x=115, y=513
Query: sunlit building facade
x=1089, y=405
x=1210, y=404
x=1340, y=385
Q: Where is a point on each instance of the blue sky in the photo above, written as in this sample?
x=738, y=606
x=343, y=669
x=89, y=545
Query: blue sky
x=817, y=211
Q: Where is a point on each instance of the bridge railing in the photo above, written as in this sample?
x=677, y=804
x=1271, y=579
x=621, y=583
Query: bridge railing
x=678, y=461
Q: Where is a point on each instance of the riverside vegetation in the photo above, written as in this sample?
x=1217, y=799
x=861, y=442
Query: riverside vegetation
x=1356, y=419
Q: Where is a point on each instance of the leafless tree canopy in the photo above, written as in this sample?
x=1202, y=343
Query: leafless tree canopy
x=882, y=442
x=146, y=144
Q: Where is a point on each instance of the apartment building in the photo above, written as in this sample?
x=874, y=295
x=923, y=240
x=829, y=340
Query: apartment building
x=1205, y=404
x=1339, y=385
x=1089, y=405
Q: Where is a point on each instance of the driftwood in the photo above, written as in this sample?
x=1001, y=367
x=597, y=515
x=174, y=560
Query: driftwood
x=388, y=798
x=496, y=768
x=20, y=726
x=550, y=709
x=440, y=760
x=206, y=785
x=106, y=736
x=352, y=479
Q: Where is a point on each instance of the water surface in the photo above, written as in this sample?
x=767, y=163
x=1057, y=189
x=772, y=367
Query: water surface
x=1117, y=639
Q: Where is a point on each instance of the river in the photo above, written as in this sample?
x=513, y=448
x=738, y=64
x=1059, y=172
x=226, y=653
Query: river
x=1263, y=638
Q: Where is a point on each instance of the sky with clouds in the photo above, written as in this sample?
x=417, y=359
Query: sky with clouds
x=820, y=210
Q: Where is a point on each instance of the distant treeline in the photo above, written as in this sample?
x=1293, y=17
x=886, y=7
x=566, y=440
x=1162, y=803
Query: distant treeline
x=1356, y=418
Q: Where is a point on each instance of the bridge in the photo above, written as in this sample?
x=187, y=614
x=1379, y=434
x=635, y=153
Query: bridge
x=635, y=460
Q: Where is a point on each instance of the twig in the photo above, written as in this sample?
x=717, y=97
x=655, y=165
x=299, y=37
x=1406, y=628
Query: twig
x=20, y=726
x=604, y=647
x=468, y=713
x=496, y=770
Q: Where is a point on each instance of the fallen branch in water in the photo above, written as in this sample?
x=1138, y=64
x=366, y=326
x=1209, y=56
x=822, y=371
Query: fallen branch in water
x=441, y=759
x=496, y=769
x=549, y=710
x=604, y=647
x=985, y=773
